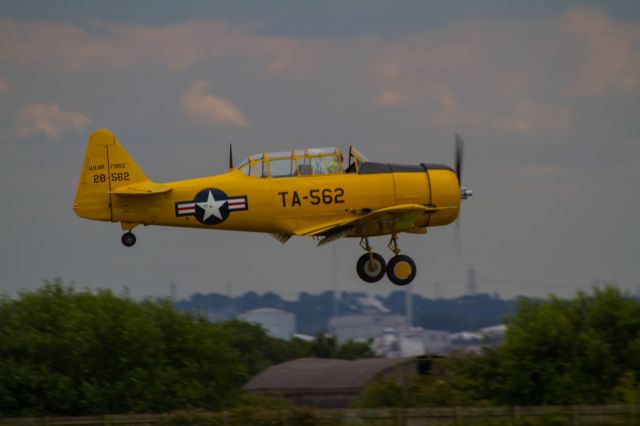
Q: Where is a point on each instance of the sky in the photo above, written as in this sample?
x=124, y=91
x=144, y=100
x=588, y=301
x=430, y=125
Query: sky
x=546, y=95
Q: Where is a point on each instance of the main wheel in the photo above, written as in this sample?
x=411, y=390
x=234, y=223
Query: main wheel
x=128, y=239
x=401, y=269
x=368, y=272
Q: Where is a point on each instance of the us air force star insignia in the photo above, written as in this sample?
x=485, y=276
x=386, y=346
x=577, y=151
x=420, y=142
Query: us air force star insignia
x=211, y=206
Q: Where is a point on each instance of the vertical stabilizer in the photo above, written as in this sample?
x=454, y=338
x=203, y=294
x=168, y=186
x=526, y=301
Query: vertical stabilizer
x=107, y=166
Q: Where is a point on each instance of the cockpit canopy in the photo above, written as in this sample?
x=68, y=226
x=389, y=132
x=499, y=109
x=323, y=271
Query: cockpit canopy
x=301, y=162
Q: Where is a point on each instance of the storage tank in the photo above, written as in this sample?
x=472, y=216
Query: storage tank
x=278, y=323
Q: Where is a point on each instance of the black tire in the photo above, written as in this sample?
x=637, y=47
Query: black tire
x=401, y=270
x=128, y=239
x=365, y=273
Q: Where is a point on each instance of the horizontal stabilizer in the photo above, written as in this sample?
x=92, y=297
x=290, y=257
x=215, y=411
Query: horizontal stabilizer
x=143, y=188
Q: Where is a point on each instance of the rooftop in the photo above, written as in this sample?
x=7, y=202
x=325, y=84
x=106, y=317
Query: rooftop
x=322, y=373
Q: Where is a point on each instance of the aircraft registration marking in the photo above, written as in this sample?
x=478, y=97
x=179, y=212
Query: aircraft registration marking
x=115, y=177
x=317, y=196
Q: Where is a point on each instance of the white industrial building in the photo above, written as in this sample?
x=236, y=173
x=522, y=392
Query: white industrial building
x=364, y=326
x=414, y=341
x=475, y=341
x=436, y=342
x=278, y=323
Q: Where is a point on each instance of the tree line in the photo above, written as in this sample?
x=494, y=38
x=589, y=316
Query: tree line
x=75, y=352
x=65, y=351
x=585, y=350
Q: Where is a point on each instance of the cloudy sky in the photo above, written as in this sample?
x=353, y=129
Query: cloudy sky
x=545, y=93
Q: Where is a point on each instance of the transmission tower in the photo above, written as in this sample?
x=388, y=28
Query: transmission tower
x=472, y=286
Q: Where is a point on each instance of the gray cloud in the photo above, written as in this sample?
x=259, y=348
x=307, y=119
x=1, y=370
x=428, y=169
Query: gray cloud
x=73, y=48
x=509, y=75
x=4, y=85
x=208, y=109
x=48, y=120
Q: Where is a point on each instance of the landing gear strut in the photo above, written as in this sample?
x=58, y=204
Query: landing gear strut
x=128, y=239
x=370, y=266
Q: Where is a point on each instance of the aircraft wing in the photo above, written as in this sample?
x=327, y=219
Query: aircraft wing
x=382, y=221
x=143, y=188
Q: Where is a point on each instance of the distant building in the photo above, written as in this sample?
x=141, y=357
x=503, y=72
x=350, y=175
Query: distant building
x=331, y=383
x=436, y=342
x=414, y=341
x=278, y=323
x=475, y=341
x=467, y=341
x=409, y=345
x=494, y=334
x=364, y=326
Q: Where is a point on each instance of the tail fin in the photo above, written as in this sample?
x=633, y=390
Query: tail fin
x=107, y=167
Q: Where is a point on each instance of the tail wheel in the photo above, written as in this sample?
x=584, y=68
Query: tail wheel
x=401, y=270
x=371, y=271
x=128, y=239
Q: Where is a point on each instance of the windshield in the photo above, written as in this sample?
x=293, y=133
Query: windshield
x=356, y=160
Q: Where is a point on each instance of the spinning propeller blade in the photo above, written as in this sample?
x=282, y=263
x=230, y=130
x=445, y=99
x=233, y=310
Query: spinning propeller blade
x=464, y=192
x=458, y=156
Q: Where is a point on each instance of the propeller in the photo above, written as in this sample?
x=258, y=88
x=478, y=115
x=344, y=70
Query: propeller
x=458, y=156
x=464, y=192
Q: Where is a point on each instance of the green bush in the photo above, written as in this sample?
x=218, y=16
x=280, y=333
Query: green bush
x=69, y=352
x=584, y=350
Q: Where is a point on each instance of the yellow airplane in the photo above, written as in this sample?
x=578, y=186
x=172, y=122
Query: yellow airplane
x=301, y=192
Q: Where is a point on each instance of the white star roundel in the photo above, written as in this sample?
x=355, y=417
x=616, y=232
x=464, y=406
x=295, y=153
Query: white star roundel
x=211, y=206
